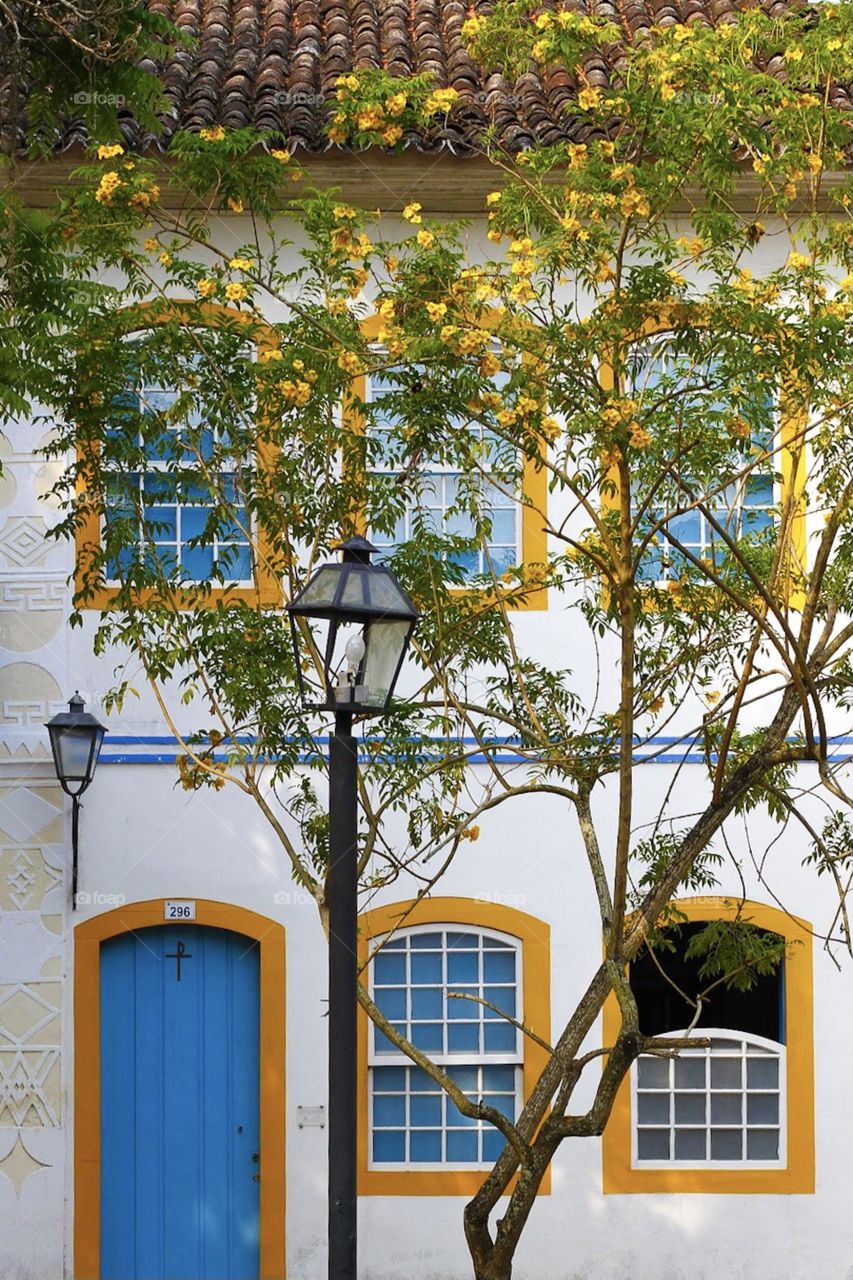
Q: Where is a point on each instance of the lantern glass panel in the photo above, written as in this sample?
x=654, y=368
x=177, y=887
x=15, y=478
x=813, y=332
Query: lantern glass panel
x=77, y=752
x=320, y=591
x=386, y=642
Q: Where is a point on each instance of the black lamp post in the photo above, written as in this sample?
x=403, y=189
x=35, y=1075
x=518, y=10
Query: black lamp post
x=351, y=626
x=75, y=740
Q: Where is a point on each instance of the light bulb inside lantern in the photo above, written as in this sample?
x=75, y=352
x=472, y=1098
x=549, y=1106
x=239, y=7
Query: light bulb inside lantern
x=354, y=652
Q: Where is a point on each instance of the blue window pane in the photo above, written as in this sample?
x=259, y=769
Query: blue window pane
x=756, y=521
x=687, y=528
x=197, y=562
x=425, y=1148
x=467, y=1078
x=759, y=491
x=425, y=1110
x=389, y=1079
x=391, y=1001
x=502, y=558
x=389, y=1110
x=382, y=1044
x=493, y=1144
x=389, y=969
x=462, y=1148
x=499, y=1036
x=121, y=565
x=503, y=997
x=463, y=1036
x=505, y=1103
x=463, y=942
x=389, y=1147
x=425, y=942
x=426, y=968
x=394, y=944
x=468, y=562
x=496, y=944
x=503, y=527
x=426, y=1002
x=420, y=1082
x=157, y=486
x=461, y=966
x=463, y=1010
x=499, y=1079
x=236, y=563
x=234, y=530
x=499, y=966
x=427, y=1035
x=161, y=523
x=194, y=522
x=161, y=560
x=455, y=1118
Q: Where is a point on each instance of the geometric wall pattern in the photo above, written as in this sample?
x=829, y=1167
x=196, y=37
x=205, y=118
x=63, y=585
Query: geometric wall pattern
x=30, y=1084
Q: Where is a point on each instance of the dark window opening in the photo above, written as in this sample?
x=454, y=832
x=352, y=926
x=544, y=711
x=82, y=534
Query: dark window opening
x=759, y=1011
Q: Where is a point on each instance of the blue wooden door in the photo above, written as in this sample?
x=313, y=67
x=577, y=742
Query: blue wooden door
x=179, y=1105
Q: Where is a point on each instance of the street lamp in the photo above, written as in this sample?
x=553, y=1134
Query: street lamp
x=351, y=627
x=76, y=738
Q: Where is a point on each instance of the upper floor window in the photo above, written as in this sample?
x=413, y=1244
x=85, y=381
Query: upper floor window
x=184, y=505
x=441, y=988
x=444, y=501
x=684, y=391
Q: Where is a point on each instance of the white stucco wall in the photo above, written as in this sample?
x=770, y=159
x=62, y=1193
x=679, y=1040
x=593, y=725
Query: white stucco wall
x=142, y=838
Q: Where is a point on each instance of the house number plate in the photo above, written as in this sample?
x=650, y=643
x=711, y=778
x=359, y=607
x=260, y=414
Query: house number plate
x=179, y=910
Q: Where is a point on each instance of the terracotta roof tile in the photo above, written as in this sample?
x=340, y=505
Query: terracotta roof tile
x=273, y=64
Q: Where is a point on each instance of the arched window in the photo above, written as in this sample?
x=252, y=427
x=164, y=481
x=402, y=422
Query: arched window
x=441, y=988
x=443, y=970
x=735, y=1115
x=724, y=1103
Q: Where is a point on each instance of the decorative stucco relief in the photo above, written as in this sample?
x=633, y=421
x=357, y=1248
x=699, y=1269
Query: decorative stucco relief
x=31, y=611
x=30, y=1078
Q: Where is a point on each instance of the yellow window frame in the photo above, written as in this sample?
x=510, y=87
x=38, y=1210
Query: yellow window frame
x=798, y=1177
x=268, y=590
x=535, y=939
x=792, y=421
x=532, y=502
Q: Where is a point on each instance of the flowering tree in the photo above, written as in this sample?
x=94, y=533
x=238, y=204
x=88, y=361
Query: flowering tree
x=656, y=375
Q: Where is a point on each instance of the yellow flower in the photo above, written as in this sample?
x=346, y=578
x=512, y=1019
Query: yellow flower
x=344, y=213
x=436, y=310
x=150, y=245
x=386, y=308
x=798, y=261
x=283, y=157
x=472, y=27
x=235, y=292
x=494, y=236
x=108, y=152
x=165, y=259
x=337, y=306
x=372, y=117
x=107, y=188
x=396, y=104
x=412, y=212
x=490, y=365
x=236, y=206
x=213, y=133
x=241, y=264
x=207, y=287
x=392, y=134
x=349, y=362
x=338, y=136
x=272, y=353
x=814, y=163
x=425, y=239
x=296, y=175
x=846, y=284
x=589, y=98
x=494, y=197
x=638, y=437
x=448, y=332
x=667, y=92
x=440, y=100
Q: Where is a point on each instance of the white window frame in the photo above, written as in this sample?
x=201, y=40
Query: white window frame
x=443, y=471
x=745, y=1040
x=158, y=466
x=463, y=1059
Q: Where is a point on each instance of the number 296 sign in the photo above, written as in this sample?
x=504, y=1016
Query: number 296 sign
x=179, y=910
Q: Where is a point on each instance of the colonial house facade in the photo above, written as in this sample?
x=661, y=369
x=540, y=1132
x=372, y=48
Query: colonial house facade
x=163, y=1046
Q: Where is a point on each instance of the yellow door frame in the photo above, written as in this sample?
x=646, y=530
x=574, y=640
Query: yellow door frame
x=88, y=937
